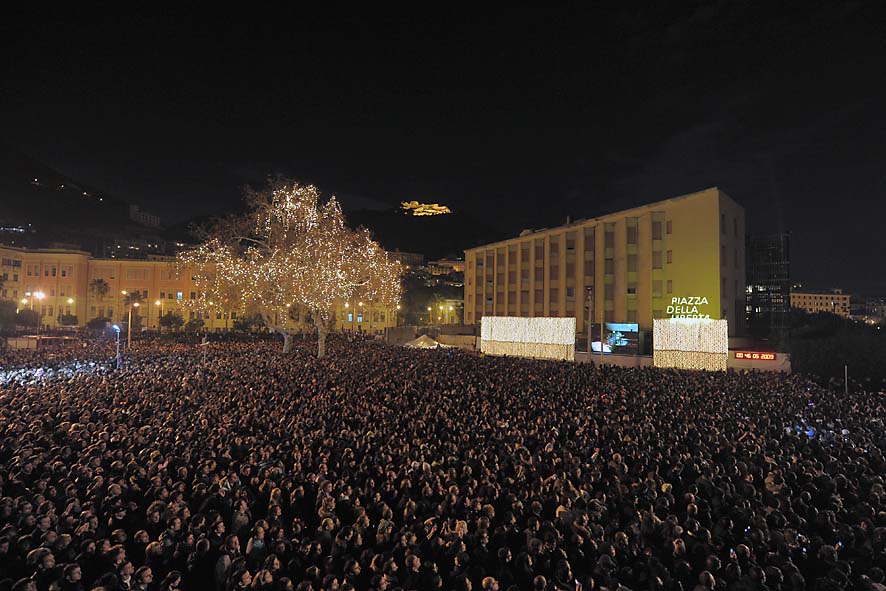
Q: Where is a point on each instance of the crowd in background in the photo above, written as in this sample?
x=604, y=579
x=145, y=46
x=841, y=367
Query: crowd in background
x=229, y=466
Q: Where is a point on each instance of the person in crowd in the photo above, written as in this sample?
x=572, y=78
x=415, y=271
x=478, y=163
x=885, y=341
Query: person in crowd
x=232, y=466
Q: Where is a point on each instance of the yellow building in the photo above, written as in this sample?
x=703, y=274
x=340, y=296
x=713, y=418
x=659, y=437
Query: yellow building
x=813, y=301
x=365, y=317
x=64, y=279
x=678, y=257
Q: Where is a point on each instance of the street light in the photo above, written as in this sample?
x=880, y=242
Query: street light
x=39, y=295
x=159, y=305
x=118, y=357
x=129, y=327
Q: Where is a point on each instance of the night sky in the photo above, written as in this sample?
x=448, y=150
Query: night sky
x=523, y=118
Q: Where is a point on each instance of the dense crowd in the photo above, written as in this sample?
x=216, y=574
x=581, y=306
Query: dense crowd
x=230, y=466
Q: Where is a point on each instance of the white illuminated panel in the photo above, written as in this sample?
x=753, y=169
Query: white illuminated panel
x=691, y=343
x=548, y=338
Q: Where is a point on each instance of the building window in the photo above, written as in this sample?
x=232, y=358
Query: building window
x=656, y=230
x=359, y=317
x=670, y=286
x=609, y=266
x=193, y=295
x=632, y=316
x=656, y=259
x=670, y=256
x=656, y=288
x=178, y=296
x=632, y=263
x=570, y=293
x=669, y=227
x=609, y=238
x=632, y=289
x=632, y=234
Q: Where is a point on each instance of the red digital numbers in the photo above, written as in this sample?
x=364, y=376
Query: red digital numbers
x=755, y=356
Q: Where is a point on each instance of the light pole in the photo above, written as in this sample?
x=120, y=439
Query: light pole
x=70, y=303
x=360, y=328
x=159, y=305
x=39, y=295
x=129, y=327
x=590, y=300
x=118, y=358
x=348, y=307
x=397, y=318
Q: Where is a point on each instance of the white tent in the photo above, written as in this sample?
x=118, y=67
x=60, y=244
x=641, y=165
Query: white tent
x=423, y=342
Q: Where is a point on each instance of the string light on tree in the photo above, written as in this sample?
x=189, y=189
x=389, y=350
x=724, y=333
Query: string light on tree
x=292, y=259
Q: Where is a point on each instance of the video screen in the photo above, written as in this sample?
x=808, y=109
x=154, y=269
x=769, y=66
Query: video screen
x=619, y=338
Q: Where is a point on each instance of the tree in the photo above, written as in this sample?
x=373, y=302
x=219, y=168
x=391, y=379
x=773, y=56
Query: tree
x=7, y=314
x=247, y=322
x=28, y=318
x=98, y=323
x=132, y=300
x=67, y=320
x=171, y=321
x=99, y=289
x=291, y=250
x=195, y=325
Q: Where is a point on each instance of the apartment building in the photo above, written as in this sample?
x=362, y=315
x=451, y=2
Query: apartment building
x=66, y=279
x=681, y=257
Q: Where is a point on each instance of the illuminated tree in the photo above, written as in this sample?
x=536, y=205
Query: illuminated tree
x=290, y=257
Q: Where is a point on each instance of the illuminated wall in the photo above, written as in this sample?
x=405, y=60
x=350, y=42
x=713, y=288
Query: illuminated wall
x=690, y=343
x=545, y=338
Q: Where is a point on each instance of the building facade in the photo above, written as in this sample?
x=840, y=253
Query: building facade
x=769, y=283
x=829, y=300
x=66, y=279
x=681, y=257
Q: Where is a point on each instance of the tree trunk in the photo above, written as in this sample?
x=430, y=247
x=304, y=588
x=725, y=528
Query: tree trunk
x=287, y=343
x=321, y=342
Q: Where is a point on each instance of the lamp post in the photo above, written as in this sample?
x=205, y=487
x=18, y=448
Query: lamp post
x=118, y=358
x=590, y=299
x=159, y=304
x=39, y=295
x=347, y=307
x=429, y=316
x=129, y=327
x=397, y=318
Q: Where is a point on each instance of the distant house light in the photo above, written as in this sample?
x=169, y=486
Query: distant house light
x=416, y=208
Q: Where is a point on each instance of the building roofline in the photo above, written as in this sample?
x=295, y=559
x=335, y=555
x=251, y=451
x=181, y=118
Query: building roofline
x=599, y=218
x=26, y=250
